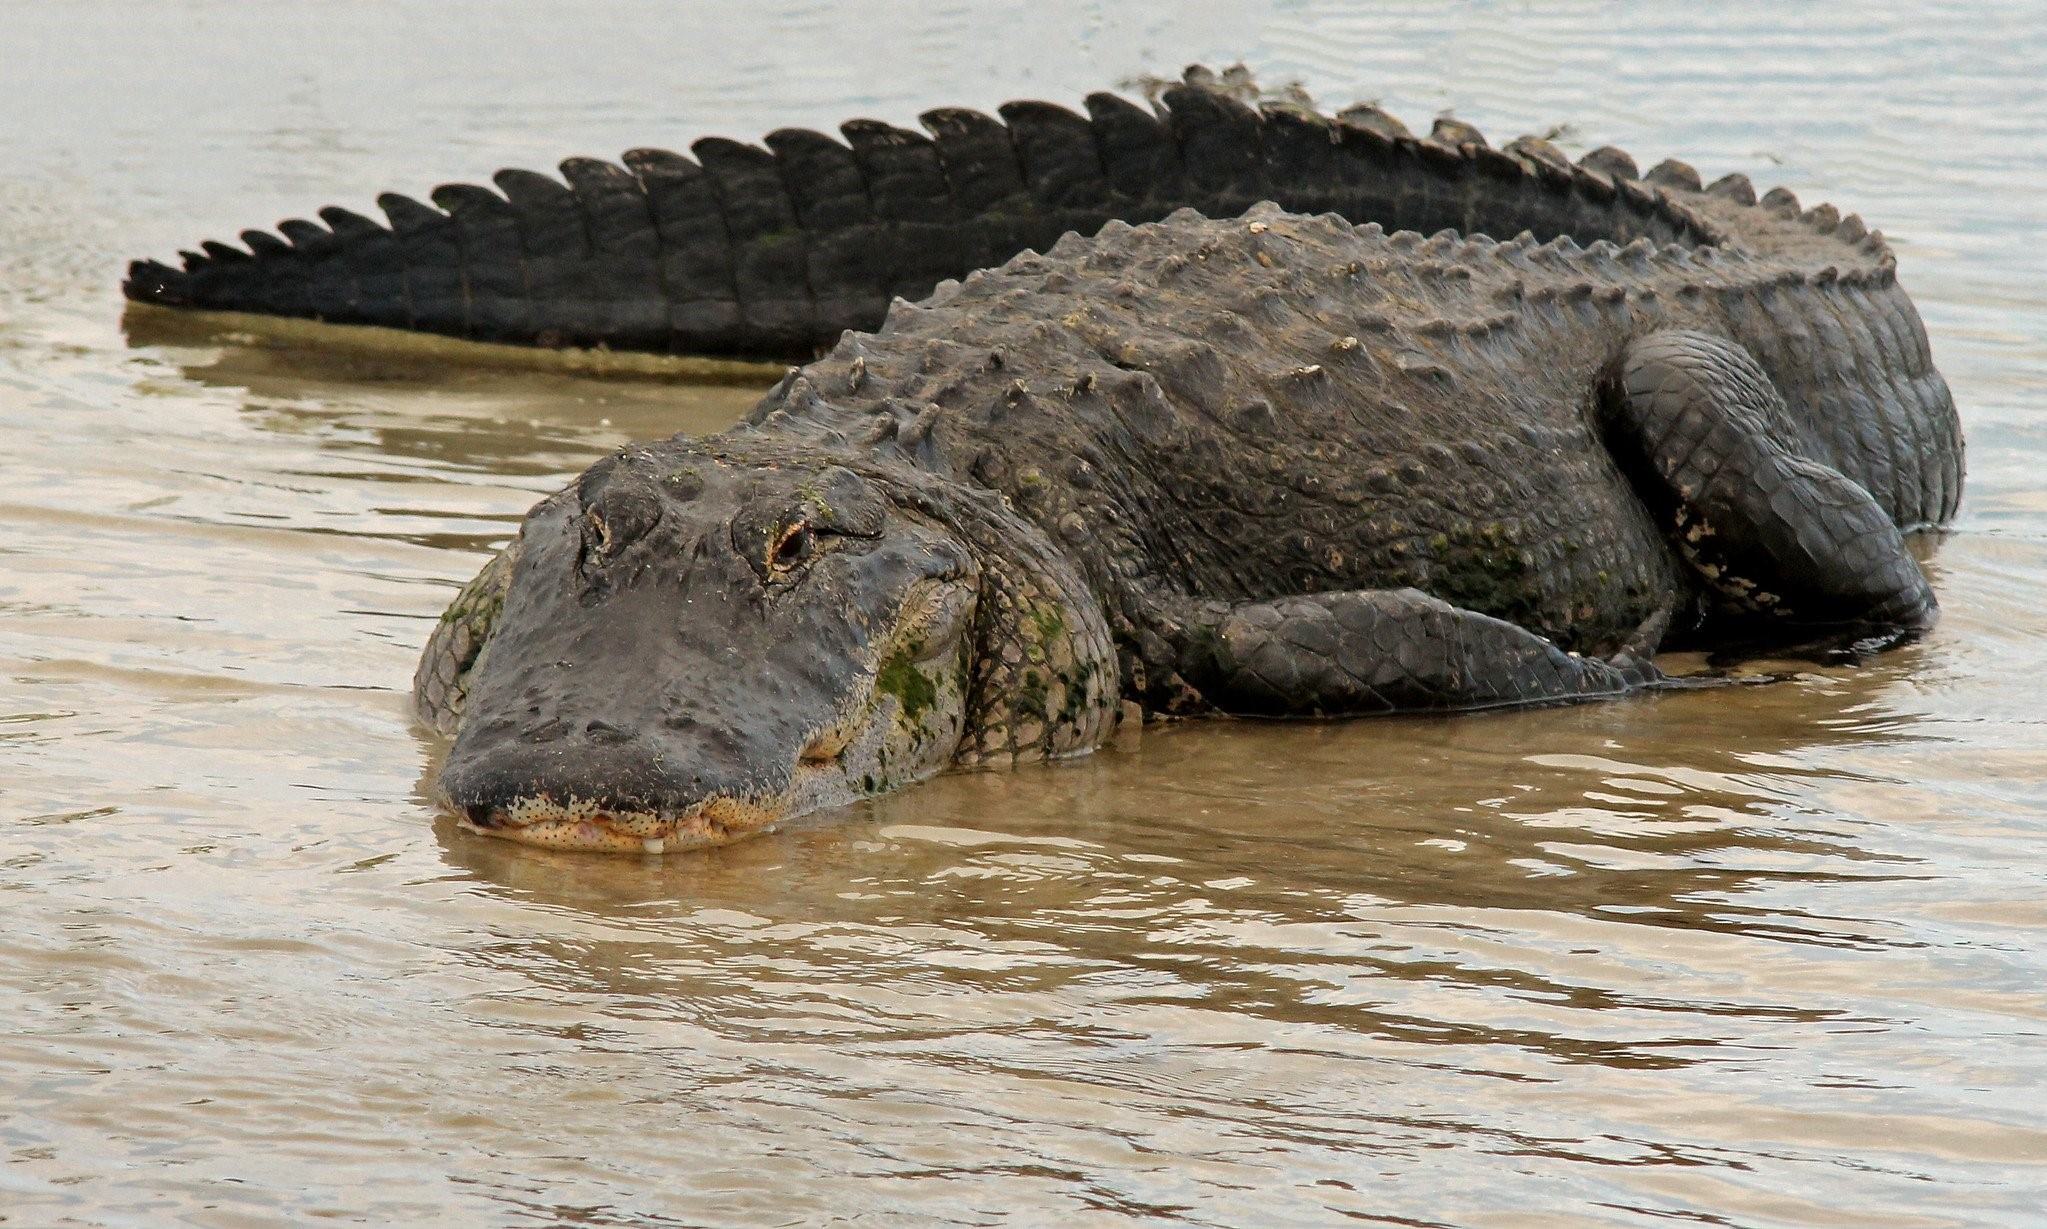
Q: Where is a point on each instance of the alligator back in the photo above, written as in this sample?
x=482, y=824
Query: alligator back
x=1242, y=409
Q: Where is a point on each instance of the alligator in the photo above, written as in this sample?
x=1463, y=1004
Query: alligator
x=1280, y=453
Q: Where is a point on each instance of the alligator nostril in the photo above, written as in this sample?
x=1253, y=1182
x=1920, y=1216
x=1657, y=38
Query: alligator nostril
x=545, y=730
x=600, y=731
x=600, y=530
x=618, y=510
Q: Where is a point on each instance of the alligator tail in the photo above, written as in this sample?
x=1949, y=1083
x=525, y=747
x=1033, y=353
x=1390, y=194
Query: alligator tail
x=771, y=251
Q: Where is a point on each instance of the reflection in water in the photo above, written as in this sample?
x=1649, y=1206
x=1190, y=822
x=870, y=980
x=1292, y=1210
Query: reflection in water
x=478, y=418
x=1379, y=850
x=1764, y=955
x=1261, y=937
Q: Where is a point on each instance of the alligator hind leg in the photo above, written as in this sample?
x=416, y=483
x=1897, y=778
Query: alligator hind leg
x=1387, y=650
x=1780, y=538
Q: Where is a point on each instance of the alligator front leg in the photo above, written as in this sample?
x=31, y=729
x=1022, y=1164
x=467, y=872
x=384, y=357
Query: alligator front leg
x=1387, y=650
x=1778, y=537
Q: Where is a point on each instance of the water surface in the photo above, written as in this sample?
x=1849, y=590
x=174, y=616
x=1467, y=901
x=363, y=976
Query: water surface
x=1770, y=956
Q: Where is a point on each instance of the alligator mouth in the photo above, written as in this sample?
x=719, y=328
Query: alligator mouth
x=586, y=827
x=819, y=777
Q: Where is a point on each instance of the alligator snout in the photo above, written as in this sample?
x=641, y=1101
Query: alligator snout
x=603, y=786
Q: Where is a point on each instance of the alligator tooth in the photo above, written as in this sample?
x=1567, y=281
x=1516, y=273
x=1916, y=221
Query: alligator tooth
x=653, y=844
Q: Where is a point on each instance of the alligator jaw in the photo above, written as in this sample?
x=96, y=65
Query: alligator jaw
x=583, y=827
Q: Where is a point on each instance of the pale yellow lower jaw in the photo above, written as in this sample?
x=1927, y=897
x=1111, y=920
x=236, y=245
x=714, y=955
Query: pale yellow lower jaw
x=601, y=836
x=577, y=834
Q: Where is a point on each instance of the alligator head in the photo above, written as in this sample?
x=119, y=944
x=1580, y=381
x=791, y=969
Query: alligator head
x=688, y=647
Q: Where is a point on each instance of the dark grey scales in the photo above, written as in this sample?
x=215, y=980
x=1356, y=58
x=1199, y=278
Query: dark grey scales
x=1269, y=463
x=773, y=250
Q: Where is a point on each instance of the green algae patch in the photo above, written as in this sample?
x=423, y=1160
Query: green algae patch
x=912, y=688
x=1484, y=568
x=1050, y=622
x=1031, y=695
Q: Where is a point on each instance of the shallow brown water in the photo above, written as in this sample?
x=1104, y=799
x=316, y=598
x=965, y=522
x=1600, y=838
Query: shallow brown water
x=1769, y=956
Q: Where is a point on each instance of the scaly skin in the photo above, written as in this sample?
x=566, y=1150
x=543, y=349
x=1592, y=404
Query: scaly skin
x=1243, y=410
x=772, y=251
x=1272, y=464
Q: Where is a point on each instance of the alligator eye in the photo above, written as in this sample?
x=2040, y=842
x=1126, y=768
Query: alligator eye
x=793, y=548
x=601, y=529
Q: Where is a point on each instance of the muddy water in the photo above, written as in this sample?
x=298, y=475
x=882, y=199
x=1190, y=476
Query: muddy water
x=1763, y=957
